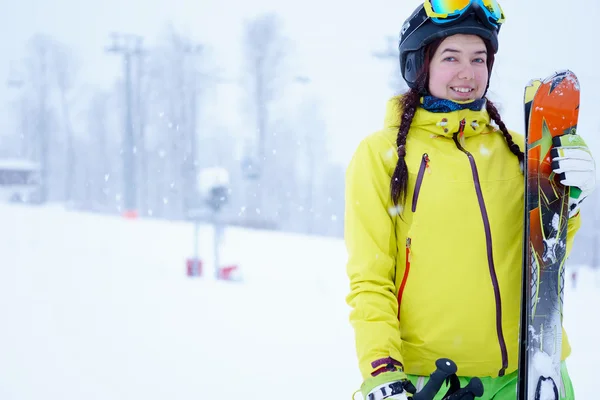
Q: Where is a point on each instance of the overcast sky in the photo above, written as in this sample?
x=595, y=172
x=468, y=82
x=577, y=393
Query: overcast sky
x=333, y=44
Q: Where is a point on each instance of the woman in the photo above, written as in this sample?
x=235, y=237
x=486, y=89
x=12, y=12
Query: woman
x=434, y=216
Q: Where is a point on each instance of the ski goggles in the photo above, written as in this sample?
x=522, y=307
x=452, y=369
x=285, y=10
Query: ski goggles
x=449, y=11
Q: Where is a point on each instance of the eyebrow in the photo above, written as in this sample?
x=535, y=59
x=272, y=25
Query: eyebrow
x=450, y=50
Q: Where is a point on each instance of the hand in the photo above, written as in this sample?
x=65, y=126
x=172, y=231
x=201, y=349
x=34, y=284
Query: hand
x=388, y=386
x=572, y=161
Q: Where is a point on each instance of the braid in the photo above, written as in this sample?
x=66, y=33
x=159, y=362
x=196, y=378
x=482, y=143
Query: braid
x=399, y=182
x=495, y=115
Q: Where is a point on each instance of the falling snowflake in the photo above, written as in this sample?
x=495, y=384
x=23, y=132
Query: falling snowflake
x=484, y=151
x=396, y=210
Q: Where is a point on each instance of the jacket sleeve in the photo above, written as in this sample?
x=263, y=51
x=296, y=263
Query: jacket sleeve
x=370, y=238
x=572, y=227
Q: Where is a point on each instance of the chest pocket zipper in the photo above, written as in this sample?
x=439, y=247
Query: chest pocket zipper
x=422, y=168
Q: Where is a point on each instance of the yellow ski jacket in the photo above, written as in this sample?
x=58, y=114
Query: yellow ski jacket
x=443, y=278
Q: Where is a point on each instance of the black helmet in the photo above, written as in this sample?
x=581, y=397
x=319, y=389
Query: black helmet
x=418, y=31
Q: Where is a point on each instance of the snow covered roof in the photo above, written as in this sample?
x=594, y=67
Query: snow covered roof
x=18, y=164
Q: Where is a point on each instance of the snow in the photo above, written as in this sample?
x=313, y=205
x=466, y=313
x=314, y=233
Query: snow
x=555, y=221
x=552, y=244
x=582, y=323
x=395, y=210
x=542, y=361
x=390, y=153
x=573, y=79
x=542, y=365
x=95, y=307
x=484, y=151
x=547, y=391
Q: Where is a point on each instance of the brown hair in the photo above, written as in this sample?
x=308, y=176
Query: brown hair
x=409, y=103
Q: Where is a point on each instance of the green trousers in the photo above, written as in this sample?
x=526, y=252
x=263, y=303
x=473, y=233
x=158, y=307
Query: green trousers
x=502, y=388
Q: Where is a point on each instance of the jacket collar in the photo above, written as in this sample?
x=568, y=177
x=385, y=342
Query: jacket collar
x=440, y=124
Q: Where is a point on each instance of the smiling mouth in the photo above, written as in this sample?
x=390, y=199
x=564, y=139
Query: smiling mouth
x=462, y=90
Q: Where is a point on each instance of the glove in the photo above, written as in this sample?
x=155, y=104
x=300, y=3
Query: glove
x=393, y=385
x=572, y=161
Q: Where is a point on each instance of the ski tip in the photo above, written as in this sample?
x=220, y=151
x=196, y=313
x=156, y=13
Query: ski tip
x=563, y=72
x=561, y=76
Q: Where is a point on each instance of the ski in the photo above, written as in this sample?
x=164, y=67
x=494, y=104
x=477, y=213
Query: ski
x=551, y=109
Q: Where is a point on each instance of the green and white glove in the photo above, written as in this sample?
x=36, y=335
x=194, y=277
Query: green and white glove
x=392, y=385
x=572, y=161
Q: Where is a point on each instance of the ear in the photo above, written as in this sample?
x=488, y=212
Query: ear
x=410, y=65
x=414, y=62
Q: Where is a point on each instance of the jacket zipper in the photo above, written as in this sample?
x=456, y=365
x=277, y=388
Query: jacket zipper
x=405, y=277
x=488, y=241
x=422, y=168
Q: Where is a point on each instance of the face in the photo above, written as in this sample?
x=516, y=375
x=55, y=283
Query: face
x=458, y=69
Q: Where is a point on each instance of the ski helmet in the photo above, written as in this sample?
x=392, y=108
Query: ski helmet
x=418, y=31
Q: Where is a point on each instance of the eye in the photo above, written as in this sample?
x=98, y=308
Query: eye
x=450, y=58
x=479, y=60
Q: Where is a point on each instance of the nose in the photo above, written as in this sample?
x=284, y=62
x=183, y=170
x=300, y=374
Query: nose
x=467, y=72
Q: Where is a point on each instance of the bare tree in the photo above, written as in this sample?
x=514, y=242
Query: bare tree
x=176, y=123
x=39, y=84
x=265, y=52
x=172, y=84
x=20, y=105
x=48, y=79
x=331, y=200
x=65, y=71
x=314, y=146
x=390, y=53
x=98, y=164
x=143, y=92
